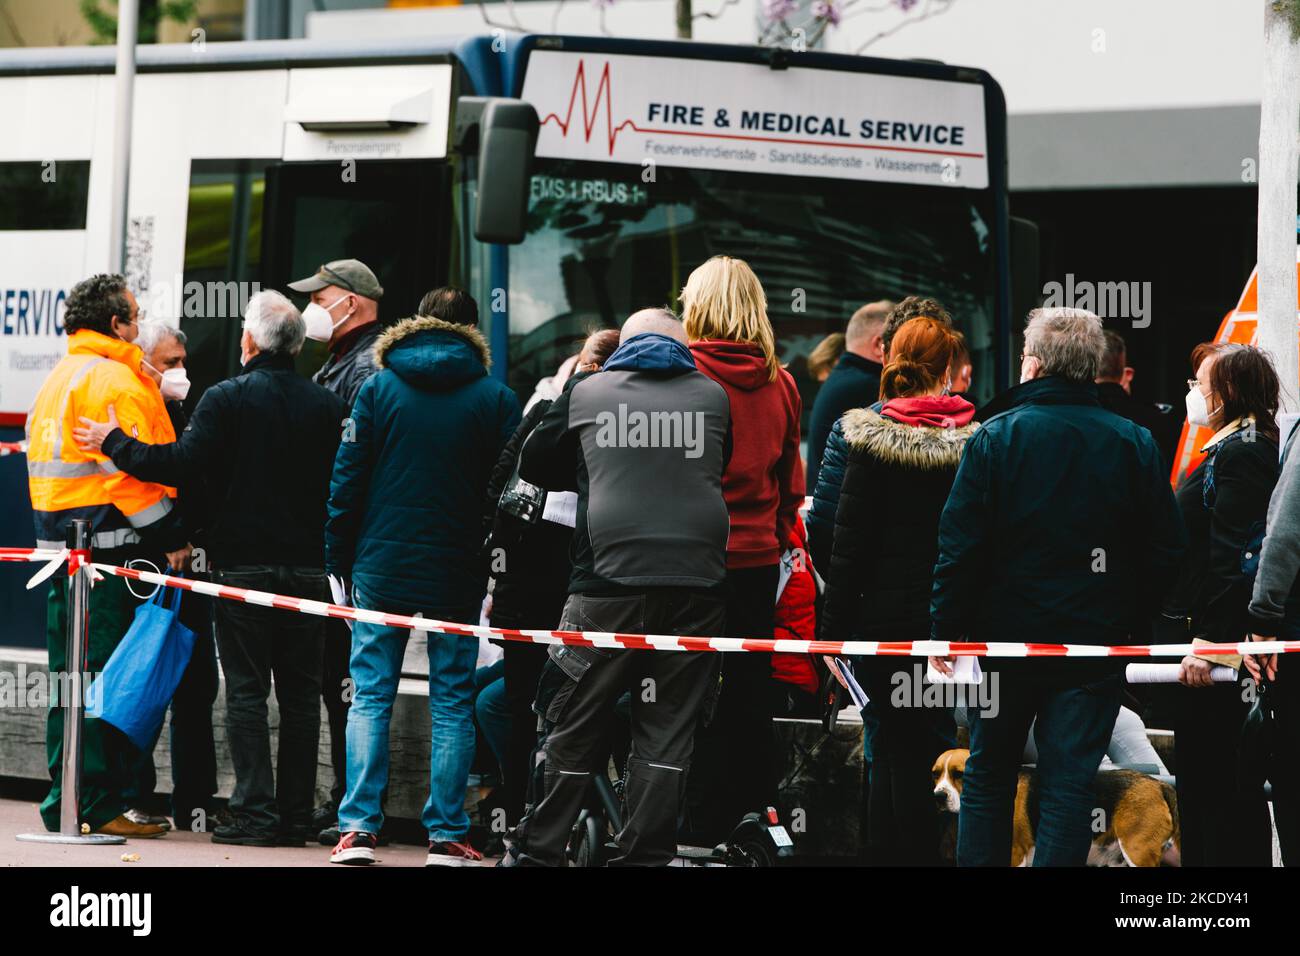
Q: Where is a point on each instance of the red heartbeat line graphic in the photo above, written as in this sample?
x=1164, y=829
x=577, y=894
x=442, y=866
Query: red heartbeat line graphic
x=605, y=88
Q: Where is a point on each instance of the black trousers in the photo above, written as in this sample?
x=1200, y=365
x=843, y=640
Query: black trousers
x=903, y=820
x=524, y=663
x=194, y=752
x=735, y=765
x=668, y=688
x=1284, y=770
x=336, y=649
x=1223, y=823
x=256, y=644
x=193, y=748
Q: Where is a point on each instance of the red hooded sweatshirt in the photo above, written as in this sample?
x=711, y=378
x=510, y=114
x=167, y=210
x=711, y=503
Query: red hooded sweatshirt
x=763, y=483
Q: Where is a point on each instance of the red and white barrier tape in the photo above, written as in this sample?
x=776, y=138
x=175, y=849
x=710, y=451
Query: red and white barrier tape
x=13, y=448
x=54, y=558
x=30, y=554
x=662, y=642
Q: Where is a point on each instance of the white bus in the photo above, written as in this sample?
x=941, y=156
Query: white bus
x=841, y=179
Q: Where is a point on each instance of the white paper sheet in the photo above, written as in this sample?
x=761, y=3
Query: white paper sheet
x=561, y=508
x=965, y=670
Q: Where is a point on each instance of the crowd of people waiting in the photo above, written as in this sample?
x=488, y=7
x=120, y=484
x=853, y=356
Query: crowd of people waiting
x=654, y=485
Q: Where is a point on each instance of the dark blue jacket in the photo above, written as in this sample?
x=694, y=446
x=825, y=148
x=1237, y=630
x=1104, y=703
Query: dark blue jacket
x=820, y=520
x=853, y=383
x=1060, y=528
x=262, y=442
x=407, y=493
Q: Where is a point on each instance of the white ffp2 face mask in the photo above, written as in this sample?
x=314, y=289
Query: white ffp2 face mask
x=1198, y=410
x=175, y=384
x=320, y=324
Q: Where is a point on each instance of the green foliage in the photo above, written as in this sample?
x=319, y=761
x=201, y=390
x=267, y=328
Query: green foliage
x=1290, y=11
x=104, y=23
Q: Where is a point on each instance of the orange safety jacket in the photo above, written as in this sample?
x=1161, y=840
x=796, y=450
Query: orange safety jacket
x=66, y=482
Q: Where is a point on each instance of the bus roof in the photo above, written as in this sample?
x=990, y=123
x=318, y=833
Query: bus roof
x=255, y=55
x=272, y=54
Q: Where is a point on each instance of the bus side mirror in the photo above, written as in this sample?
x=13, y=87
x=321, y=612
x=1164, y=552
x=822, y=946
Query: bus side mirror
x=504, y=131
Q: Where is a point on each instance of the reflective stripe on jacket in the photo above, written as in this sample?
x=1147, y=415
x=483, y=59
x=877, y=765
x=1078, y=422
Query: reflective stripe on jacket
x=66, y=482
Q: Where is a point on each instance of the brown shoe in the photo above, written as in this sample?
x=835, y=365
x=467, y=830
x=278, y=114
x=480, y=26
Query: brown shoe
x=121, y=826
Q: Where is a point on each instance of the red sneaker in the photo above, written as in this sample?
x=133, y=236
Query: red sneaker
x=356, y=848
x=442, y=853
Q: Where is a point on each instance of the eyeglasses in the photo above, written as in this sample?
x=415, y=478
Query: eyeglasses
x=1193, y=383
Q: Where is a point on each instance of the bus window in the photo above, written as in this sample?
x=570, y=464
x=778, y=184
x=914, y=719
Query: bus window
x=602, y=244
x=223, y=247
x=392, y=215
x=44, y=195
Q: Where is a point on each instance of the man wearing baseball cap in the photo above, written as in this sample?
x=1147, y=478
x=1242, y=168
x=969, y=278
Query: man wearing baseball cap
x=344, y=311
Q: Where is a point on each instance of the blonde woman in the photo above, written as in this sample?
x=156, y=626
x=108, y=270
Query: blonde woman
x=724, y=311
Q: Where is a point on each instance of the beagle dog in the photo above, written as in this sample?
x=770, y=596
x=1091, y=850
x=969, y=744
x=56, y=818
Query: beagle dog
x=1135, y=816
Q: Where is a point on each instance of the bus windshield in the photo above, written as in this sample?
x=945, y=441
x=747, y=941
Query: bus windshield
x=602, y=242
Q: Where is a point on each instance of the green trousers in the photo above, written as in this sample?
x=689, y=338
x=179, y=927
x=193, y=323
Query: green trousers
x=103, y=749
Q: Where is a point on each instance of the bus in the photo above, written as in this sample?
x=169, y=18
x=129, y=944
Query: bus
x=841, y=180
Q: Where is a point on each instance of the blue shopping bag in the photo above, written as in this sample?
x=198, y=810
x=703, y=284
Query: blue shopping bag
x=145, y=669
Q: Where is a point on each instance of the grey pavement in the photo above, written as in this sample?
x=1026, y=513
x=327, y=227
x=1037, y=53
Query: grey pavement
x=181, y=848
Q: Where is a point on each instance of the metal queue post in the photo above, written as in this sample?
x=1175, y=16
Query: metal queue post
x=73, y=702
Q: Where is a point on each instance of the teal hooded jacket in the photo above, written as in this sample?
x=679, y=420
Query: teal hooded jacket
x=406, y=496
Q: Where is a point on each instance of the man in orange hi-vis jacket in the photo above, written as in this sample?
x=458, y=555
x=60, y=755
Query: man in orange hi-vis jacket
x=129, y=518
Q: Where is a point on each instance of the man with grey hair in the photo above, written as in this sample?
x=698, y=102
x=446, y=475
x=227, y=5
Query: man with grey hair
x=193, y=748
x=854, y=382
x=264, y=443
x=1060, y=528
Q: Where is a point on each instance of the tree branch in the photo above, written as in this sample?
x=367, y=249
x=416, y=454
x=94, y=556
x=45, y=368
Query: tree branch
x=482, y=8
x=713, y=16
x=926, y=15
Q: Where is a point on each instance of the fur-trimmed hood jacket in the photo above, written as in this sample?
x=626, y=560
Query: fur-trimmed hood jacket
x=896, y=482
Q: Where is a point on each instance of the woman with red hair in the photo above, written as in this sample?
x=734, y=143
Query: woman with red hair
x=901, y=466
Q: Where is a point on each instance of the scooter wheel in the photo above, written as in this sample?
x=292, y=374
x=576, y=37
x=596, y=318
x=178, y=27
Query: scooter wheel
x=590, y=850
x=752, y=851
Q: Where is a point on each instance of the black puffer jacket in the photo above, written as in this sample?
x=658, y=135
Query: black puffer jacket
x=881, y=570
x=820, y=520
x=1223, y=522
x=529, y=560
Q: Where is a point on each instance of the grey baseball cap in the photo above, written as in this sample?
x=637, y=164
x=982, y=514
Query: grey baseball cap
x=351, y=274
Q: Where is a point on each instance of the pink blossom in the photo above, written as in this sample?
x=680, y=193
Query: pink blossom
x=827, y=10
x=775, y=10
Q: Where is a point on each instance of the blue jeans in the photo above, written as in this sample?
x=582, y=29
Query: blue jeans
x=376, y=666
x=493, y=710
x=1073, y=727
